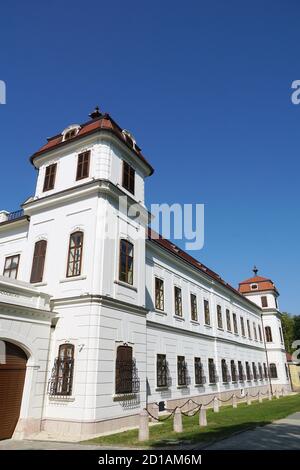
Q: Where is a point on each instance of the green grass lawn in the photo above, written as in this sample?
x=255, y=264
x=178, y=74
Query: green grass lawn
x=222, y=424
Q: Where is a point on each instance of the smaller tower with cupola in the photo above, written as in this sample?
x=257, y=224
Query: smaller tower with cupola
x=263, y=292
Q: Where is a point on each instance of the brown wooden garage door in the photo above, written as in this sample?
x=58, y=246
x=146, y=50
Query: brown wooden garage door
x=12, y=376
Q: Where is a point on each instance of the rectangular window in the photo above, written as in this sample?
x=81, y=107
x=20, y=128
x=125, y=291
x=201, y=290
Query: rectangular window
x=38, y=261
x=61, y=380
x=241, y=371
x=260, y=371
x=280, y=333
x=50, y=174
x=235, y=326
x=243, y=327
x=11, y=266
x=126, y=262
x=75, y=254
x=265, y=371
x=161, y=370
x=178, y=301
x=259, y=333
x=199, y=376
x=225, y=373
x=83, y=165
x=233, y=371
x=248, y=328
x=128, y=177
x=212, y=371
x=264, y=301
x=127, y=380
x=254, y=370
x=181, y=371
x=194, y=313
x=228, y=320
x=159, y=294
x=206, y=312
x=248, y=371
x=219, y=317
x=255, y=332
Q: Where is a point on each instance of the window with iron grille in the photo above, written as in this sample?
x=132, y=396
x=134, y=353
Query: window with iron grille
x=11, y=266
x=233, y=371
x=161, y=370
x=241, y=371
x=219, y=316
x=225, y=372
x=248, y=371
x=259, y=333
x=181, y=370
x=268, y=331
x=265, y=371
x=61, y=380
x=235, y=325
x=228, y=320
x=38, y=261
x=159, y=294
x=255, y=332
x=75, y=254
x=126, y=262
x=128, y=181
x=178, y=301
x=206, y=312
x=83, y=165
x=194, y=312
x=264, y=301
x=260, y=371
x=254, y=370
x=127, y=380
x=199, y=374
x=212, y=373
x=273, y=371
x=50, y=174
x=243, y=327
x=249, y=329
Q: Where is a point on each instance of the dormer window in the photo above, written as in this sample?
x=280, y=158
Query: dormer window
x=70, y=132
x=254, y=286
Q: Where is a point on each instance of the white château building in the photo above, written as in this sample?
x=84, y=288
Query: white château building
x=95, y=327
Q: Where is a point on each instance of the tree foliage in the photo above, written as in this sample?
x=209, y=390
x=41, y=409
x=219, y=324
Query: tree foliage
x=291, y=330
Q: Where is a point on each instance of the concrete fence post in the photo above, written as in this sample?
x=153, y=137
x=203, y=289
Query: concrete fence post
x=202, y=416
x=277, y=393
x=177, y=422
x=216, y=405
x=249, y=401
x=234, y=401
x=260, y=397
x=144, y=426
x=154, y=412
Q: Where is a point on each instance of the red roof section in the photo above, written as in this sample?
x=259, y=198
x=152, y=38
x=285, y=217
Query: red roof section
x=104, y=122
x=175, y=250
x=263, y=284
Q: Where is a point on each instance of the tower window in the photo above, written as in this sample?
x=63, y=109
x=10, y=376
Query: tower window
x=254, y=286
x=268, y=331
x=128, y=177
x=264, y=301
x=11, y=266
x=75, y=254
x=126, y=262
x=49, y=180
x=83, y=165
x=38, y=262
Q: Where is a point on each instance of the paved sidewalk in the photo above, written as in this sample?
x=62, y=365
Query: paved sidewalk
x=280, y=435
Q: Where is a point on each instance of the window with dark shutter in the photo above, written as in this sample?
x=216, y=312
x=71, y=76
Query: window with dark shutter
x=219, y=316
x=178, y=301
x=273, y=371
x=126, y=373
x=38, y=262
x=128, y=177
x=161, y=370
x=248, y=371
x=11, y=266
x=83, y=165
x=268, y=331
x=260, y=371
x=233, y=371
x=126, y=262
x=181, y=371
x=241, y=371
x=75, y=254
x=254, y=370
x=62, y=374
x=199, y=374
x=264, y=301
x=50, y=174
x=159, y=294
x=212, y=371
x=225, y=373
x=228, y=320
x=194, y=313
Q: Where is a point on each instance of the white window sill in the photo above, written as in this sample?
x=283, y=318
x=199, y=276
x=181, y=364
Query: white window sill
x=39, y=284
x=220, y=329
x=160, y=312
x=198, y=385
x=61, y=398
x=124, y=284
x=178, y=317
x=73, y=278
x=207, y=326
x=195, y=322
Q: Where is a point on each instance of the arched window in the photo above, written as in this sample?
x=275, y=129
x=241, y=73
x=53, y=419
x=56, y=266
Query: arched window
x=273, y=371
x=126, y=372
x=75, y=254
x=38, y=262
x=62, y=374
x=268, y=334
x=126, y=262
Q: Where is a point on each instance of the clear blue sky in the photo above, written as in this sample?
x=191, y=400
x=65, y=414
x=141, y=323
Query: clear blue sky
x=205, y=88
